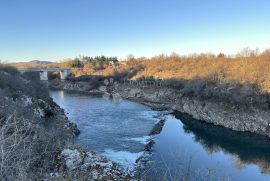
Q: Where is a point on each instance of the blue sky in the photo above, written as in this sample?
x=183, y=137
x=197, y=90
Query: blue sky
x=58, y=29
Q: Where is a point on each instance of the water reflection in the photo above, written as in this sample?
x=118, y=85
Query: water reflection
x=186, y=148
x=244, y=148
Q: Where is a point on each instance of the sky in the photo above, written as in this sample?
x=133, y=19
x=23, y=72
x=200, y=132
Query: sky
x=53, y=30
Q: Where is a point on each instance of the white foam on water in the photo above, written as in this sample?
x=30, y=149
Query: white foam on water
x=152, y=115
x=143, y=140
x=124, y=158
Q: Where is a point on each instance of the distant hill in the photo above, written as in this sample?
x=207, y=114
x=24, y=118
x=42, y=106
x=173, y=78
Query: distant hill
x=40, y=62
x=33, y=64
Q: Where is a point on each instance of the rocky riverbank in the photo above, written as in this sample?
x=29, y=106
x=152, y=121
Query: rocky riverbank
x=238, y=118
x=37, y=138
x=82, y=164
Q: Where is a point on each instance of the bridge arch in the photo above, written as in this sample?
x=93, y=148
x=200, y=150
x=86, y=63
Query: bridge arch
x=43, y=73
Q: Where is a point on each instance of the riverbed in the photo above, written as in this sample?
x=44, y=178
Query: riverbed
x=185, y=148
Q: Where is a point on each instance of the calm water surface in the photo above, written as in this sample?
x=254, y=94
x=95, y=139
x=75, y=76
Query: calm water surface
x=185, y=147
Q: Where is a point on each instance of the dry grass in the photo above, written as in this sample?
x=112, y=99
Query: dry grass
x=242, y=70
x=239, y=80
x=246, y=68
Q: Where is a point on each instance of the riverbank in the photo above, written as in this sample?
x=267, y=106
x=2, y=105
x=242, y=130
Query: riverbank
x=244, y=118
x=33, y=128
x=37, y=138
x=211, y=147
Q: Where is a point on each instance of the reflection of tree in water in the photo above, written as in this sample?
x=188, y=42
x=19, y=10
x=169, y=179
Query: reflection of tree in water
x=237, y=162
x=245, y=148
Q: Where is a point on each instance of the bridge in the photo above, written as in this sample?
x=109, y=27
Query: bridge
x=43, y=72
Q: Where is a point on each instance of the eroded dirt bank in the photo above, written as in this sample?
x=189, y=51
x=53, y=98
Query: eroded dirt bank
x=238, y=118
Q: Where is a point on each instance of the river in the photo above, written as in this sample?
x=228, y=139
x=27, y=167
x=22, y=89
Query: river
x=185, y=148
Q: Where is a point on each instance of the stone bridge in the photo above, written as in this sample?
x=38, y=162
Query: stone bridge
x=43, y=72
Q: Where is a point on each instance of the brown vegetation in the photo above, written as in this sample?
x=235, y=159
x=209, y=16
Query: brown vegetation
x=241, y=79
x=247, y=67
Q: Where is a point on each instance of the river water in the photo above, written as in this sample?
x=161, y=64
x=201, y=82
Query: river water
x=186, y=148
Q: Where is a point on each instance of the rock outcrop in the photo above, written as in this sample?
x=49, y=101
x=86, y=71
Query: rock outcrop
x=237, y=118
x=91, y=165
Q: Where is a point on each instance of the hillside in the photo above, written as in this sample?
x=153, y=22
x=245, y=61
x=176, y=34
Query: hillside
x=240, y=80
x=33, y=128
x=32, y=64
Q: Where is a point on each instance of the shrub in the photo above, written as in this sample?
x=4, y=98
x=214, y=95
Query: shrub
x=194, y=87
x=9, y=69
x=28, y=140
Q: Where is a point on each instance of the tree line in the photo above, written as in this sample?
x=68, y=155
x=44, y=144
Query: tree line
x=97, y=61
